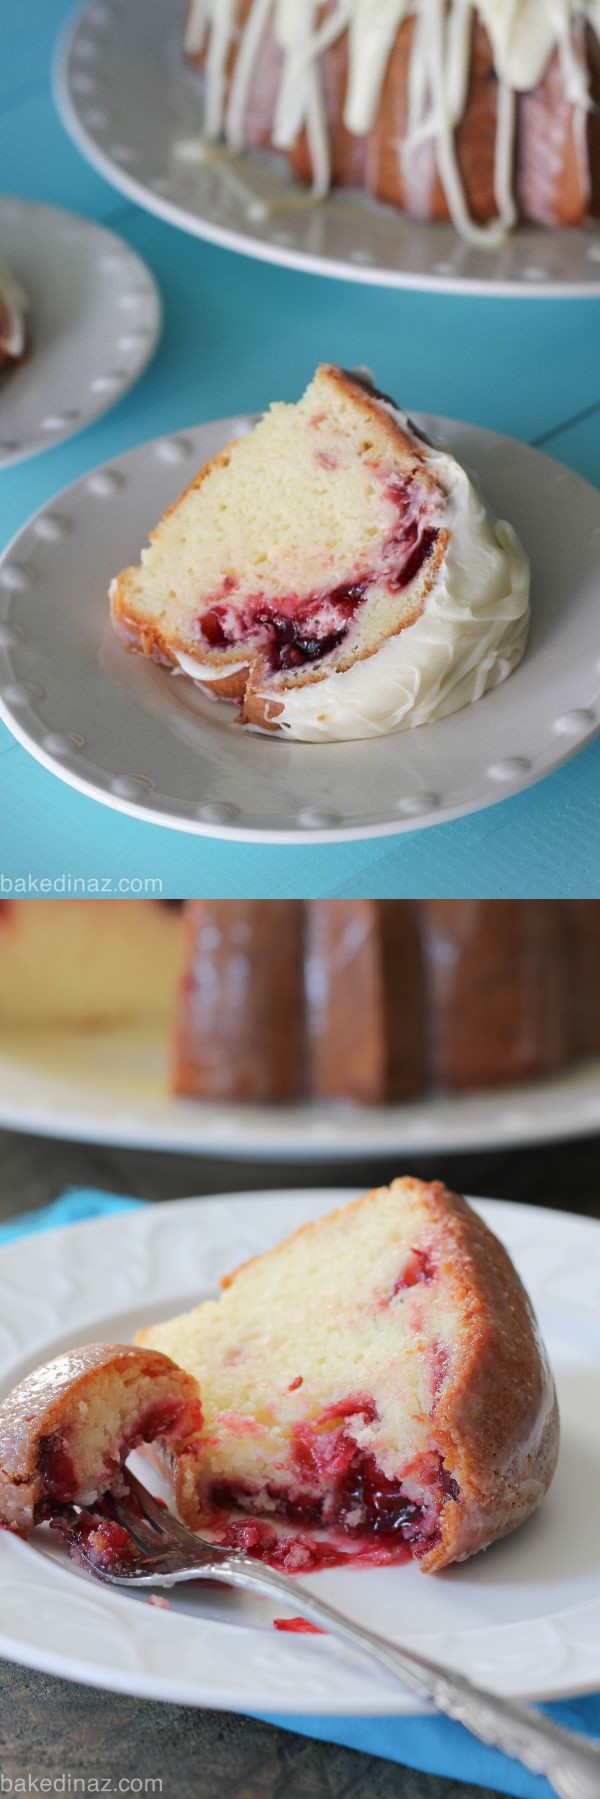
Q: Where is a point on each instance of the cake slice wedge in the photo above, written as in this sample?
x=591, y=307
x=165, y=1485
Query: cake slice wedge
x=379, y=1373
x=332, y=573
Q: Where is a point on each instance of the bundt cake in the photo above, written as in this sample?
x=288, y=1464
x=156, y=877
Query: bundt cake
x=268, y=1001
x=66, y=1430
x=379, y=1373
x=13, y=318
x=482, y=111
x=332, y=573
x=381, y=1000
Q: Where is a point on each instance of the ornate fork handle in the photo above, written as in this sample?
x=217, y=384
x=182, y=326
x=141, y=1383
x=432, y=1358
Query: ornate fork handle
x=173, y=1553
x=571, y=1764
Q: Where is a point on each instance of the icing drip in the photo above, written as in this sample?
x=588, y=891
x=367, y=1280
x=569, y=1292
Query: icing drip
x=505, y=143
x=524, y=35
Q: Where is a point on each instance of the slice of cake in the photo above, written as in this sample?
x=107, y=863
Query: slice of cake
x=66, y=1430
x=332, y=573
x=13, y=318
x=379, y=1373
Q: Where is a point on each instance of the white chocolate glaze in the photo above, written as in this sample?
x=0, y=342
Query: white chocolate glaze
x=524, y=35
x=470, y=636
x=13, y=305
x=206, y=671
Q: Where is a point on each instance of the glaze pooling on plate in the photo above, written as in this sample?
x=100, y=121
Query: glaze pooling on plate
x=524, y=36
x=109, y=1087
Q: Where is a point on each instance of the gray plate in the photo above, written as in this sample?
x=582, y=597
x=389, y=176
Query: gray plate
x=128, y=100
x=148, y=743
x=94, y=321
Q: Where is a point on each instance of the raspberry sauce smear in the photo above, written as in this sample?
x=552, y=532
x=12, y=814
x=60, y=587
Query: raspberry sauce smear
x=297, y=631
x=336, y=1487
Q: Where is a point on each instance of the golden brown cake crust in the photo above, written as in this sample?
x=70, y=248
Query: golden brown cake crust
x=495, y=1421
x=252, y=1053
x=36, y=1410
x=361, y=1044
x=499, y=983
x=411, y=997
x=336, y=1034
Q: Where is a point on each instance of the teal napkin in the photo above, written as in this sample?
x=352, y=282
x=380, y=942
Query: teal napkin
x=432, y=1744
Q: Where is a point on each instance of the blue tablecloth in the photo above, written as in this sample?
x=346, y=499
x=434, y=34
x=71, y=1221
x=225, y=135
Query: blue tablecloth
x=432, y=1744
x=237, y=334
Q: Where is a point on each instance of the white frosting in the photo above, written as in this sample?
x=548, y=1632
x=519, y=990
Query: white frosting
x=14, y=301
x=524, y=35
x=206, y=671
x=470, y=636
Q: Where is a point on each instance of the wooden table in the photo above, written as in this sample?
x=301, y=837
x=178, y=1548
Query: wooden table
x=50, y=1727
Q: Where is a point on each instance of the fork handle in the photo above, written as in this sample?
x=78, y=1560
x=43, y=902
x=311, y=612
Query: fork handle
x=571, y=1764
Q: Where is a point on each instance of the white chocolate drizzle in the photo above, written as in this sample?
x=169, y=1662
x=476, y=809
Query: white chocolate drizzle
x=524, y=35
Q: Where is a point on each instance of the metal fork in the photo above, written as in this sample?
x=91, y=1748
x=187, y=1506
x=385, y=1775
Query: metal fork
x=169, y=1553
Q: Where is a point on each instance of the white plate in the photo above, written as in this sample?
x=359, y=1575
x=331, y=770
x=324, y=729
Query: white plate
x=129, y=101
x=94, y=323
x=523, y=1619
x=130, y=734
x=111, y=1086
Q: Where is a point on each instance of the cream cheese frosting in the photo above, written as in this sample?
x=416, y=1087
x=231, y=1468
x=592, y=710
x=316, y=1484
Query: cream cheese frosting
x=524, y=35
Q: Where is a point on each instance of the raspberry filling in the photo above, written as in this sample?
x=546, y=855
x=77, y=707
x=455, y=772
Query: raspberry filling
x=417, y=1269
x=57, y=1469
x=162, y=1419
x=96, y=1537
x=361, y=1503
x=292, y=632
x=60, y=1477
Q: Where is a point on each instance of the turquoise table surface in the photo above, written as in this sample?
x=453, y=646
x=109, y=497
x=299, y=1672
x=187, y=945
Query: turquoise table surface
x=238, y=333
